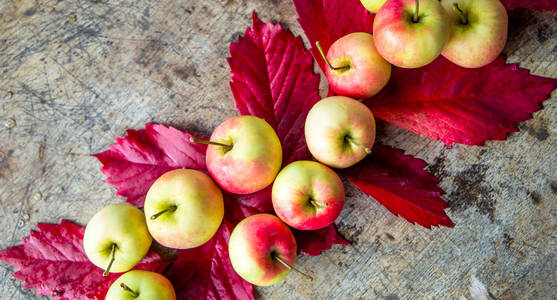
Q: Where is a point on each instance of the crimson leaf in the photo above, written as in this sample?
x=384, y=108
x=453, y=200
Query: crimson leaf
x=328, y=20
x=205, y=272
x=137, y=160
x=441, y=100
x=52, y=262
x=456, y=105
x=532, y=4
x=272, y=78
x=399, y=183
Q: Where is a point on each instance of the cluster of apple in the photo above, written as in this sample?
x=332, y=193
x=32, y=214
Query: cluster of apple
x=411, y=34
x=184, y=208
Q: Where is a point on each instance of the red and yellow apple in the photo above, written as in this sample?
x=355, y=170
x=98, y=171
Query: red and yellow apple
x=478, y=31
x=308, y=195
x=141, y=285
x=184, y=209
x=116, y=238
x=245, y=156
x=260, y=248
x=354, y=67
x=339, y=131
x=411, y=33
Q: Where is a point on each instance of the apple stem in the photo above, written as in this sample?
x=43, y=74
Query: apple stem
x=314, y=203
x=461, y=14
x=127, y=289
x=112, y=256
x=351, y=140
x=292, y=268
x=195, y=140
x=318, y=45
x=416, y=16
x=170, y=209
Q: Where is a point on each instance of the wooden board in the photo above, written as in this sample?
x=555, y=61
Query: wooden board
x=75, y=74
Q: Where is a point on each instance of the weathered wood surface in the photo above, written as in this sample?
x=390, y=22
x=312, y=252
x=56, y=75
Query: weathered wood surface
x=75, y=74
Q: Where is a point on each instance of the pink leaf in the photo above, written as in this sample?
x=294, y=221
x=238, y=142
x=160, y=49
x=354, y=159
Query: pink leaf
x=137, y=160
x=52, y=262
x=456, y=105
x=399, y=183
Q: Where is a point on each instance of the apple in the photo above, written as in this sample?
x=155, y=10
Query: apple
x=262, y=250
x=116, y=238
x=373, y=5
x=354, y=67
x=184, y=209
x=141, y=285
x=478, y=31
x=308, y=195
x=339, y=131
x=411, y=33
x=244, y=154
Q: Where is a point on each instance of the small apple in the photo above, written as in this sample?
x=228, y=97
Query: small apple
x=354, y=67
x=308, y=195
x=411, y=33
x=339, y=131
x=184, y=209
x=262, y=250
x=373, y=5
x=116, y=238
x=141, y=285
x=244, y=154
x=478, y=31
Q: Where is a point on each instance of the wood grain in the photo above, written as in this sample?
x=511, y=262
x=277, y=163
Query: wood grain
x=75, y=74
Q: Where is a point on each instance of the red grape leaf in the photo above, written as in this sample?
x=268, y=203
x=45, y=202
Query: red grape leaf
x=313, y=242
x=272, y=78
x=328, y=20
x=52, y=262
x=532, y=4
x=137, y=160
x=456, y=105
x=400, y=183
x=205, y=272
x=441, y=101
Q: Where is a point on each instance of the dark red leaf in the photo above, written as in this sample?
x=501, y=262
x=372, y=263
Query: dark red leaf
x=442, y=101
x=456, y=105
x=400, y=183
x=205, y=272
x=532, y=4
x=328, y=20
x=258, y=201
x=313, y=242
x=137, y=160
x=52, y=262
x=272, y=78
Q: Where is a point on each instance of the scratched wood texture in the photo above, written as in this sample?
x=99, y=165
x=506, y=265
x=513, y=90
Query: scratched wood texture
x=75, y=74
